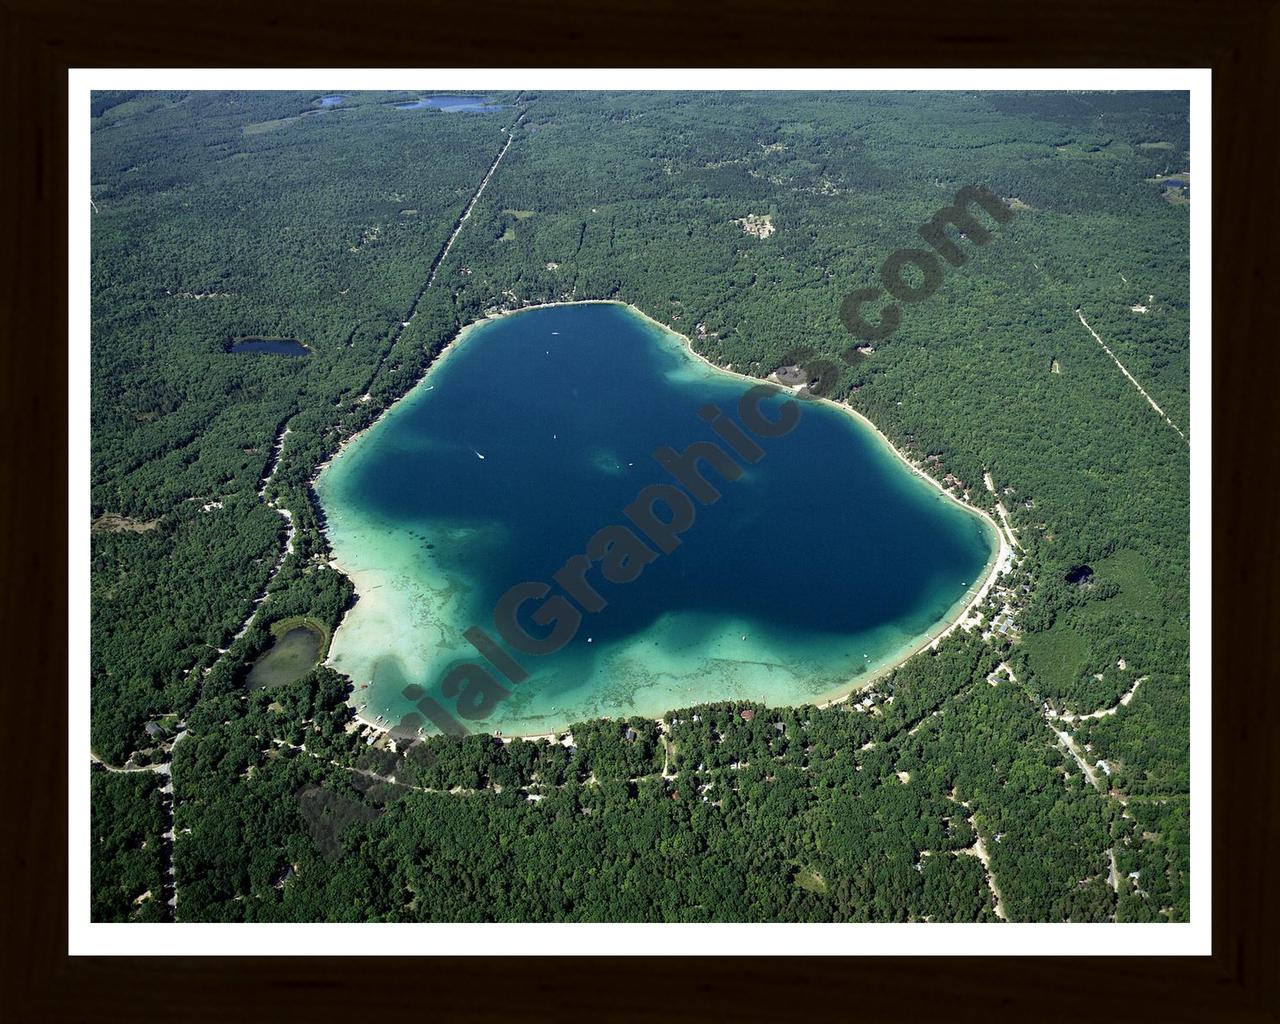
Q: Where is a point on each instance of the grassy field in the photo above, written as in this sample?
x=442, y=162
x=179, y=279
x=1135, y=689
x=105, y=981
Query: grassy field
x=1138, y=594
x=1057, y=656
x=809, y=879
x=267, y=126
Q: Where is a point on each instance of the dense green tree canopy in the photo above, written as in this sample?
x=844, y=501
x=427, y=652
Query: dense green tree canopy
x=741, y=220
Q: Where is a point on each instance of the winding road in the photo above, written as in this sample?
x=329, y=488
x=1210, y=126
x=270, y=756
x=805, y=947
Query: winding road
x=165, y=767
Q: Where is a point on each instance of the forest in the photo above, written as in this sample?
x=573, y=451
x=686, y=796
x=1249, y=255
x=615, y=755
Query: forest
x=740, y=220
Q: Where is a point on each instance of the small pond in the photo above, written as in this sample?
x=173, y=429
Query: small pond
x=452, y=104
x=295, y=653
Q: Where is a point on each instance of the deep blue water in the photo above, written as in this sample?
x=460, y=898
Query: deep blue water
x=452, y=104
x=271, y=346
x=826, y=559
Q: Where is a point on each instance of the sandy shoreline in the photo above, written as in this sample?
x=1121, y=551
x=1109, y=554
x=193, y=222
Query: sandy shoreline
x=998, y=564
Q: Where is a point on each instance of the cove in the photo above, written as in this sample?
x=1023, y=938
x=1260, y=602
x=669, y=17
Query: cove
x=824, y=562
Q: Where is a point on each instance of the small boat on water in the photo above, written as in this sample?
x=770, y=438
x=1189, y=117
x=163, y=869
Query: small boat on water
x=478, y=455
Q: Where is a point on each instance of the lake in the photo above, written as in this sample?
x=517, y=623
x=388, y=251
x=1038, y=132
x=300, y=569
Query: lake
x=270, y=346
x=331, y=101
x=825, y=561
x=452, y=104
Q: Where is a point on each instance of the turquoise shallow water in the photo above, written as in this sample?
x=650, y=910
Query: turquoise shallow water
x=824, y=561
